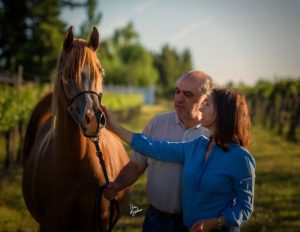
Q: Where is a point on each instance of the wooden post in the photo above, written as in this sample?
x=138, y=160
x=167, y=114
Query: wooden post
x=7, y=160
x=19, y=77
x=17, y=138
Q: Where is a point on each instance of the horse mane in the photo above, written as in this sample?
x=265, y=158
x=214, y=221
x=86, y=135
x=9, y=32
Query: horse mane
x=70, y=66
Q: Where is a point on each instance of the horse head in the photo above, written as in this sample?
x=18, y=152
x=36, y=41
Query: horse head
x=78, y=87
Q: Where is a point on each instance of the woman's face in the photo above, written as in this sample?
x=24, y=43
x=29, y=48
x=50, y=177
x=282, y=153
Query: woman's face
x=208, y=113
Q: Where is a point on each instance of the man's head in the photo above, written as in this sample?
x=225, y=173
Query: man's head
x=191, y=89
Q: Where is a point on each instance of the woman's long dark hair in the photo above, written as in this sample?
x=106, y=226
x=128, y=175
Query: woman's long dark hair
x=233, y=120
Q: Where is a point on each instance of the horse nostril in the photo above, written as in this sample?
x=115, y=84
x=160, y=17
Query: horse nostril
x=87, y=119
x=102, y=119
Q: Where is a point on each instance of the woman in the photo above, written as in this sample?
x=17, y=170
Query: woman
x=218, y=173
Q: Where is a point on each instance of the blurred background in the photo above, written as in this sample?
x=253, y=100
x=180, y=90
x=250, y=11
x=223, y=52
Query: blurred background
x=144, y=47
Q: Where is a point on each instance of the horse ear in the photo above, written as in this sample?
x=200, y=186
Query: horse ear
x=68, y=39
x=94, y=39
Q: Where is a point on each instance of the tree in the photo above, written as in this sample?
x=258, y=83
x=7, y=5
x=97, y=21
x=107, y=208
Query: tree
x=126, y=61
x=92, y=18
x=13, y=26
x=45, y=36
x=31, y=34
x=170, y=66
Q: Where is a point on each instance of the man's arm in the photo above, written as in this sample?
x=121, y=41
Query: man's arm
x=127, y=176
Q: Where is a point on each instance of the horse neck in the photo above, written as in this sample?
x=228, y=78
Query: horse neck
x=68, y=137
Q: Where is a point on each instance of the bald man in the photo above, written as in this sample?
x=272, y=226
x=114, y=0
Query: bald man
x=164, y=182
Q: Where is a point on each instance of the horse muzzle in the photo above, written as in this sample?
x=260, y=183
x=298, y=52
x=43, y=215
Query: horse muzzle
x=92, y=123
x=85, y=109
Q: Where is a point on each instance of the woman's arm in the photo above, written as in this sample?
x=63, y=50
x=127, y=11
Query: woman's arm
x=243, y=169
x=112, y=125
x=162, y=150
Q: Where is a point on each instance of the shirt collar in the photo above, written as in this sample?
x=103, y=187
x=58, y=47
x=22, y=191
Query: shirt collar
x=177, y=121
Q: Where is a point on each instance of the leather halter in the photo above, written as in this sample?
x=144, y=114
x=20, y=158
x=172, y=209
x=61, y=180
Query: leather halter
x=99, y=115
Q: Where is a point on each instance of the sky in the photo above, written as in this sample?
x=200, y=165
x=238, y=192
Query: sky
x=231, y=40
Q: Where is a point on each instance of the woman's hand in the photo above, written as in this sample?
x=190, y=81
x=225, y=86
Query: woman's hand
x=204, y=225
x=111, y=191
x=109, y=119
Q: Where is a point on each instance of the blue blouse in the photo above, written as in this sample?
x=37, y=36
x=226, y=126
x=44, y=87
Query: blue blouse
x=221, y=185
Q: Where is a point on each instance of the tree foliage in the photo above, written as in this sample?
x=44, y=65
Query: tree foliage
x=126, y=61
x=13, y=27
x=31, y=34
x=45, y=33
x=93, y=18
x=171, y=65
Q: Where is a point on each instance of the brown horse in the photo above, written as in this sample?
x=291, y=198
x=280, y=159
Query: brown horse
x=62, y=175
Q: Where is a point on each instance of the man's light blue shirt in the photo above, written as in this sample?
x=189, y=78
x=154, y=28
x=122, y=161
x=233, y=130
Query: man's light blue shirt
x=221, y=185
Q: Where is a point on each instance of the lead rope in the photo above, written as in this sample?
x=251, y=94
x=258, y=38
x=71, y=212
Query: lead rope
x=113, y=204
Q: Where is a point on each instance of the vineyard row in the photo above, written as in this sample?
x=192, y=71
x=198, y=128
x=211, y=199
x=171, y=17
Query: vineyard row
x=16, y=105
x=276, y=105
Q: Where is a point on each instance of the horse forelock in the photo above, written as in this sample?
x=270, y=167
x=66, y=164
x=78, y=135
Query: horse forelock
x=72, y=63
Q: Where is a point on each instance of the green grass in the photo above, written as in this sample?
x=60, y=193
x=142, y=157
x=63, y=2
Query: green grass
x=13, y=213
x=277, y=189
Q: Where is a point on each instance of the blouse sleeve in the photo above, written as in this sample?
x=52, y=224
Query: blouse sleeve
x=161, y=150
x=243, y=175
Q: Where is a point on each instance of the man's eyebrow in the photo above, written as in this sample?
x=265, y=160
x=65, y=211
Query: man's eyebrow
x=185, y=92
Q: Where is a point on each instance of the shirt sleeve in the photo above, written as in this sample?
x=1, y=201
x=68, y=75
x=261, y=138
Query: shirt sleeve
x=140, y=160
x=161, y=150
x=243, y=174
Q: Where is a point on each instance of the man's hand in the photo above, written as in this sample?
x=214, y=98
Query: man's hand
x=204, y=225
x=111, y=191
